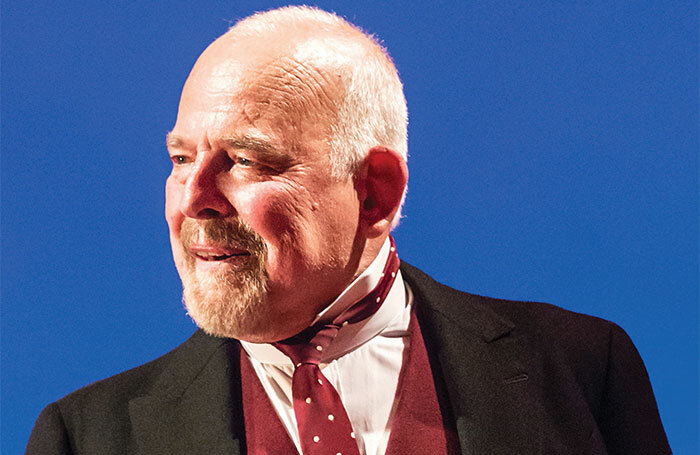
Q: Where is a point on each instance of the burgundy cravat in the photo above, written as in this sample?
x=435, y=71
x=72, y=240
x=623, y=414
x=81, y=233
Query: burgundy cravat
x=324, y=426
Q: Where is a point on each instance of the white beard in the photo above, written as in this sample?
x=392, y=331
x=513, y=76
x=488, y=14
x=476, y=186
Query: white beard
x=231, y=302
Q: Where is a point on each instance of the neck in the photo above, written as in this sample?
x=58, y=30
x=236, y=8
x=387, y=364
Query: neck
x=369, y=253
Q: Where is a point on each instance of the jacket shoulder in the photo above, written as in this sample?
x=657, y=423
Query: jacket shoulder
x=137, y=381
x=576, y=344
x=543, y=319
x=102, y=408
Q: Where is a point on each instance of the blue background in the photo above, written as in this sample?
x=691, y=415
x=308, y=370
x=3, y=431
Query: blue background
x=554, y=157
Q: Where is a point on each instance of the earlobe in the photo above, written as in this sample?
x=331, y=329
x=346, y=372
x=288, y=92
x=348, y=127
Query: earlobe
x=380, y=186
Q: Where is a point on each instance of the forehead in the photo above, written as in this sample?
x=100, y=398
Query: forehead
x=288, y=84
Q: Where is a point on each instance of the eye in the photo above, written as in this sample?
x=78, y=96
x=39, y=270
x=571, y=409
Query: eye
x=244, y=161
x=249, y=165
x=179, y=159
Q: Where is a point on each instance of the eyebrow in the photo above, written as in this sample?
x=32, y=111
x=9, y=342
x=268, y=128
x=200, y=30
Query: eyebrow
x=174, y=141
x=250, y=143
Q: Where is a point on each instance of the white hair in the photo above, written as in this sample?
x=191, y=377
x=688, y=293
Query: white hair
x=373, y=109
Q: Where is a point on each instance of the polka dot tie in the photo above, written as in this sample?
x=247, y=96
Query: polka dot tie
x=324, y=426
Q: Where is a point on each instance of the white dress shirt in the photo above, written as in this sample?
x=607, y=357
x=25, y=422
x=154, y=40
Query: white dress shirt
x=363, y=362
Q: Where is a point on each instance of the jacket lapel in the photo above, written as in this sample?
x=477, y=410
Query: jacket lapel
x=483, y=362
x=194, y=406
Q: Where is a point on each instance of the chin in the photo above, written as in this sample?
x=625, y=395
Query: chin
x=229, y=304
x=229, y=319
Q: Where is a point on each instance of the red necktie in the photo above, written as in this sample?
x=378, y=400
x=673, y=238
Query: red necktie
x=324, y=426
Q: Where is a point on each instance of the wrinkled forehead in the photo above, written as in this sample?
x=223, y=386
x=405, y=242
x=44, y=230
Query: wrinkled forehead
x=302, y=77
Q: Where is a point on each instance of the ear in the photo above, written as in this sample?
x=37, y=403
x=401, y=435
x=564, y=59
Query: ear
x=380, y=184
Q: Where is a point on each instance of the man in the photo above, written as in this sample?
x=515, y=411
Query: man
x=289, y=170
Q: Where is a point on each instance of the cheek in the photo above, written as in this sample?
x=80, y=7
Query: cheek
x=173, y=194
x=282, y=214
x=272, y=209
x=178, y=253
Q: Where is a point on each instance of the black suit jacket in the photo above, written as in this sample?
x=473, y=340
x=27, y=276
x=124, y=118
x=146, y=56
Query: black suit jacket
x=518, y=378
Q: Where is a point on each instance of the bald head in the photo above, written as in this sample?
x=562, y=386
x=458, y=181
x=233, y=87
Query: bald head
x=314, y=63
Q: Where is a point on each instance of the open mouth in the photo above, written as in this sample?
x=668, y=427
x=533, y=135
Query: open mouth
x=219, y=257
x=214, y=254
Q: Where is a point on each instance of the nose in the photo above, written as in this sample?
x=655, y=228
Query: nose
x=203, y=198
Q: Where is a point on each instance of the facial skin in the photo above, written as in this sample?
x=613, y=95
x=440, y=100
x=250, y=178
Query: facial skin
x=263, y=236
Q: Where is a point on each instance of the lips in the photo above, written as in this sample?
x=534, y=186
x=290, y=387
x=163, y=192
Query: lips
x=216, y=253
